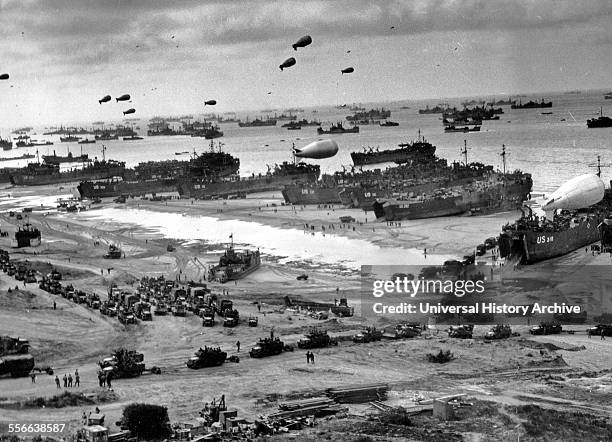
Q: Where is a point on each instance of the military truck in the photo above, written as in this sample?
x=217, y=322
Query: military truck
x=597, y=330
x=17, y=365
x=143, y=311
x=316, y=339
x=207, y=357
x=268, y=347
x=208, y=316
x=123, y=363
x=126, y=316
x=161, y=308
x=342, y=309
x=14, y=357
x=369, y=334
x=178, y=309
x=499, y=332
x=463, y=331
x=93, y=301
x=13, y=346
x=114, y=252
x=546, y=328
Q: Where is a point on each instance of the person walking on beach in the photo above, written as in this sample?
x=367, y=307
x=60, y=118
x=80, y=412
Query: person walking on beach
x=33, y=376
x=238, y=346
x=308, y=357
x=603, y=336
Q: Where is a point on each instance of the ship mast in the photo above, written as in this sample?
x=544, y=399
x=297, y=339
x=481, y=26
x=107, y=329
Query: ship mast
x=464, y=152
x=503, y=155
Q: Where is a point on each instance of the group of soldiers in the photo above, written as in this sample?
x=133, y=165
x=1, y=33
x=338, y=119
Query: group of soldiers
x=105, y=378
x=69, y=381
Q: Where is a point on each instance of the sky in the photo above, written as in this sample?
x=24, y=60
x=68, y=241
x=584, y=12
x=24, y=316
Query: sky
x=172, y=55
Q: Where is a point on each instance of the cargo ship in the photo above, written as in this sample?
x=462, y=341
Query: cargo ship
x=235, y=265
x=337, y=129
x=35, y=174
x=257, y=122
x=58, y=159
x=433, y=110
x=302, y=122
x=372, y=114
x=406, y=153
x=453, y=128
x=531, y=105
x=236, y=186
x=69, y=139
x=209, y=132
x=601, y=121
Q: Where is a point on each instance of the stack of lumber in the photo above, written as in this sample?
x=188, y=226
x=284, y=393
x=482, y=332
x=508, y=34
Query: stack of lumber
x=359, y=393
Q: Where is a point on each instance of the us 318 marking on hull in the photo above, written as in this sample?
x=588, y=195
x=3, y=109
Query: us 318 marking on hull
x=545, y=239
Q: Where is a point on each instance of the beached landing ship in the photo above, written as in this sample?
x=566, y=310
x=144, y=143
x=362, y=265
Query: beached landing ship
x=40, y=174
x=532, y=238
x=235, y=265
x=488, y=193
x=234, y=185
x=406, y=153
x=155, y=177
x=496, y=193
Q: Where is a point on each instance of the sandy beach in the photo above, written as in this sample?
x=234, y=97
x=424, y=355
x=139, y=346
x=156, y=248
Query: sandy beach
x=75, y=337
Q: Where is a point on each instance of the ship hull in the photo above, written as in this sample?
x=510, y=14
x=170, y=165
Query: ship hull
x=499, y=198
x=304, y=195
x=207, y=190
x=398, y=156
x=103, y=189
x=535, y=246
x=66, y=177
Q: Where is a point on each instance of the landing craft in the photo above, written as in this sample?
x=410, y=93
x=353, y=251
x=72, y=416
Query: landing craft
x=210, y=102
x=104, y=99
x=578, y=193
x=349, y=70
x=287, y=63
x=4, y=76
x=302, y=42
x=318, y=150
x=129, y=111
x=124, y=97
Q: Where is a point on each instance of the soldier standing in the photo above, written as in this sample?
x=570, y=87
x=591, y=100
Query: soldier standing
x=308, y=357
x=57, y=382
x=65, y=378
x=238, y=346
x=77, y=379
x=70, y=380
